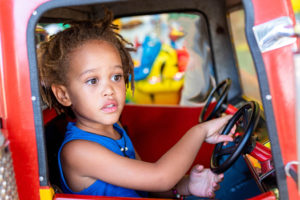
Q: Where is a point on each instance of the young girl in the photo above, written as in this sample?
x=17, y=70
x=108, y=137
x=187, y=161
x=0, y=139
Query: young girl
x=84, y=71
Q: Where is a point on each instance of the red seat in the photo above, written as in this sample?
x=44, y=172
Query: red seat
x=155, y=129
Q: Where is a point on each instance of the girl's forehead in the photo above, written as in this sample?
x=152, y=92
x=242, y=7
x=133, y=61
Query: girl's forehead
x=93, y=44
x=93, y=54
x=98, y=42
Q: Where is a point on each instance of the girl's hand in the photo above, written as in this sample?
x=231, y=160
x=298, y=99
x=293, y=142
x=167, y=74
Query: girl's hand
x=214, y=128
x=203, y=182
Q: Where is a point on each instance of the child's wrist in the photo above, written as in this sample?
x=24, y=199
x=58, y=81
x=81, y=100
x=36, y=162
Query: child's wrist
x=176, y=194
x=200, y=130
x=205, y=130
x=181, y=189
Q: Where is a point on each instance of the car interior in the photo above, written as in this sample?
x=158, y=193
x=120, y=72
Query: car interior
x=192, y=64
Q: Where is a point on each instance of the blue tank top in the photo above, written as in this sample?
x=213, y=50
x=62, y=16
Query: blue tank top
x=100, y=188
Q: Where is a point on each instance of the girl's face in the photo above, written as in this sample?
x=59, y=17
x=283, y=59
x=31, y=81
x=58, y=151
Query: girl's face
x=96, y=86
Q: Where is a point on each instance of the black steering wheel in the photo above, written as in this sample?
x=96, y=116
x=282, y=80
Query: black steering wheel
x=220, y=93
x=245, y=119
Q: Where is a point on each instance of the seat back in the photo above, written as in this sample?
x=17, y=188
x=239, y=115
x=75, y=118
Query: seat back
x=155, y=129
x=54, y=133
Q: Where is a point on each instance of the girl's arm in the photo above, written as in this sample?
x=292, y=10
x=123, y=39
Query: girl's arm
x=85, y=159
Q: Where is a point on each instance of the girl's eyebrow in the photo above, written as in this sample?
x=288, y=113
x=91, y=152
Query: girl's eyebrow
x=118, y=66
x=87, y=72
x=94, y=69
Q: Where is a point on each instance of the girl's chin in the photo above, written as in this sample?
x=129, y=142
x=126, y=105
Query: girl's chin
x=103, y=120
x=109, y=120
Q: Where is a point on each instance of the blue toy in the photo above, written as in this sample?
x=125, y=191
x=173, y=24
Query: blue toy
x=151, y=47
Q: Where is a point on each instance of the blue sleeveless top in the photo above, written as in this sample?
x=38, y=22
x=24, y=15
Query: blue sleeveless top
x=99, y=188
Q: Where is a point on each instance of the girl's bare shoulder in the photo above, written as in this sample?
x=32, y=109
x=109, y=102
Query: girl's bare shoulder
x=80, y=150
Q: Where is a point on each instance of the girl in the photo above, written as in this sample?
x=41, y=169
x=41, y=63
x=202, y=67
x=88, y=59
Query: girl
x=84, y=71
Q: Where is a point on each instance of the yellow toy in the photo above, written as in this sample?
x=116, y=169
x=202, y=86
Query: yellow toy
x=164, y=82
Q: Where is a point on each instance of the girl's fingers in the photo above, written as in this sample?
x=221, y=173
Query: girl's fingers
x=225, y=139
x=197, y=169
x=233, y=129
x=200, y=168
x=220, y=177
x=227, y=117
x=217, y=187
x=211, y=194
x=228, y=139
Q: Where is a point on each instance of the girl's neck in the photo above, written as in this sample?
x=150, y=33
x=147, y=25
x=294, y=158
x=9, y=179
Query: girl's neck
x=100, y=129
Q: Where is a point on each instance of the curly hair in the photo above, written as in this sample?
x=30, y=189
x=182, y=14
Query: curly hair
x=53, y=55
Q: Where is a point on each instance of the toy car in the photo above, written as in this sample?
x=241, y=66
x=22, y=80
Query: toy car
x=258, y=56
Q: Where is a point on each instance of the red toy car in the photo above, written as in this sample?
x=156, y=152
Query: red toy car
x=262, y=70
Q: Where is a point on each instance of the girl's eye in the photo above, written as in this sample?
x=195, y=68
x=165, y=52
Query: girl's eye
x=92, y=81
x=117, y=77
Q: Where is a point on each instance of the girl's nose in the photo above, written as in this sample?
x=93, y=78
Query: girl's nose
x=108, y=90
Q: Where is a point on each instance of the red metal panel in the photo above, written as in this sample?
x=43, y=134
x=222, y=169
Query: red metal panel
x=265, y=196
x=83, y=197
x=2, y=99
x=280, y=72
x=18, y=120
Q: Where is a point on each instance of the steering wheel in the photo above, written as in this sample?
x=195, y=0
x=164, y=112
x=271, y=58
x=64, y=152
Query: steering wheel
x=220, y=93
x=245, y=119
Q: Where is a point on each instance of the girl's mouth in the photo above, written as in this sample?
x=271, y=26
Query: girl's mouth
x=109, y=108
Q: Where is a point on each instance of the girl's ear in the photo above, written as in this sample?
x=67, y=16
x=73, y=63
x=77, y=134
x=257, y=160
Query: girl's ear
x=61, y=94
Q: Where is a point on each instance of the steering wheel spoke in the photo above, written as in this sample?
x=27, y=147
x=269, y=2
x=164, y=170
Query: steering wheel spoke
x=226, y=151
x=237, y=139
